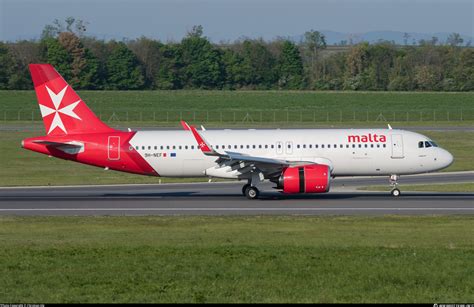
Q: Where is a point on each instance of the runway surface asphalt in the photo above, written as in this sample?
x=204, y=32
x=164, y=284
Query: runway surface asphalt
x=225, y=198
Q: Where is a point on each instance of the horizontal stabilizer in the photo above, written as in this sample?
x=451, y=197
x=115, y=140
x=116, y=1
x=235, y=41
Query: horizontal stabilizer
x=67, y=147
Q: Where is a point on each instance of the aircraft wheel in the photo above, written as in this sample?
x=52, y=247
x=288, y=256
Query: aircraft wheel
x=251, y=192
x=245, y=188
x=395, y=192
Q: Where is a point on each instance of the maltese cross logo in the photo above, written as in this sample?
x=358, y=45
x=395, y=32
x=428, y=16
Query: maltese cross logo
x=67, y=110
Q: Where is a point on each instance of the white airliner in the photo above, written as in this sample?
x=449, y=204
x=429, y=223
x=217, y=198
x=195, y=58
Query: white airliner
x=296, y=160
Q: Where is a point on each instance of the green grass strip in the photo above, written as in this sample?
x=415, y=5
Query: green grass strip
x=237, y=259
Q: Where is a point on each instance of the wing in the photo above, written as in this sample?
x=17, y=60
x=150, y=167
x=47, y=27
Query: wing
x=244, y=164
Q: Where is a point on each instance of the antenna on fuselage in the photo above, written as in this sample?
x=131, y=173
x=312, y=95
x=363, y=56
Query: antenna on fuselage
x=389, y=127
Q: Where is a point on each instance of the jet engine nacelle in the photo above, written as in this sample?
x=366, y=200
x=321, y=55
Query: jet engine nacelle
x=312, y=178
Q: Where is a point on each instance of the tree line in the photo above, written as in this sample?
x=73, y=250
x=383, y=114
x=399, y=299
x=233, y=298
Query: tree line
x=196, y=63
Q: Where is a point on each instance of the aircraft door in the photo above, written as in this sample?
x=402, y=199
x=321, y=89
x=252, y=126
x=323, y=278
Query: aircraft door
x=397, y=146
x=113, y=148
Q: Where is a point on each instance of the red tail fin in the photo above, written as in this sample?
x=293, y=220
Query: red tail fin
x=62, y=109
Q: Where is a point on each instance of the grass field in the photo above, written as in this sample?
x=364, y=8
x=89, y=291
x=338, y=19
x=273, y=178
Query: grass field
x=237, y=259
x=257, y=106
x=19, y=167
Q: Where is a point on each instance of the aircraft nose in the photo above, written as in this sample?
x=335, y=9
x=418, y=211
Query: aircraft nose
x=447, y=158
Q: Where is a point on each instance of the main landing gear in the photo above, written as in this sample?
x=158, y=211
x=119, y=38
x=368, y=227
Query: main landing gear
x=249, y=191
x=394, y=184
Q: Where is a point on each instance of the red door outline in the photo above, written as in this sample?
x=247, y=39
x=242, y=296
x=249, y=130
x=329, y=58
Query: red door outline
x=113, y=148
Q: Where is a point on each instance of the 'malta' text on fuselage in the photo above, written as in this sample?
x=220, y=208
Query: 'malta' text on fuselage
x=366, y=138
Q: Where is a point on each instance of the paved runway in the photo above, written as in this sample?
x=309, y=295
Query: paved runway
x=226, y=199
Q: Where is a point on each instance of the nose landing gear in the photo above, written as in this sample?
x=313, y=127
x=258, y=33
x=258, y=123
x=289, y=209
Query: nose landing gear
x=394, y=184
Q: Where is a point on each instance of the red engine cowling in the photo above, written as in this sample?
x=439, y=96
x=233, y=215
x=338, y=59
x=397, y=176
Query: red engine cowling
x=312, y=178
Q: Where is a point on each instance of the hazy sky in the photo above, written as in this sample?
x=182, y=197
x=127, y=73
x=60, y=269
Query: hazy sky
x=231, y=19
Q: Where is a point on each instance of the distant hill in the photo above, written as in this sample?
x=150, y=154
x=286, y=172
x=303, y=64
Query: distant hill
x=333, y=38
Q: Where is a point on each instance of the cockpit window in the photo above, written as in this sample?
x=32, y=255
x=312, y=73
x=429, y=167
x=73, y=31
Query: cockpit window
x=434, y=144
x=421, y=144
x=427, y=144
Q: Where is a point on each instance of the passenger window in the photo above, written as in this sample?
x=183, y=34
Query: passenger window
x=322, y=145
x=310, y=145
x=427, y=144
x=384, y=145
x=180, y=147
x=235, y=146
x=365, y=145
x=341, y=146
x=266, y=146
x=329, y=145
x=272, y=146
x=353, y=145
x=241, y=146
x=136, y=147
x=161, y=147
x=174, y=146
x=217, y=146
x=143, y=147
x=279, y=146
x=167, y=147
x=378, y=145
x=347, y=145
x=253, y=146
x=248, y=146
x=192, y=147
x=304, y=145
x=360, y=145
x=298, y=146
x=186, y=147
x=259, y=146
x=372, y=145
x=316, y=146
x=149, y=147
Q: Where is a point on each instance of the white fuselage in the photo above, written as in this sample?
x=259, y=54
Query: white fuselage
x=348, y=152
